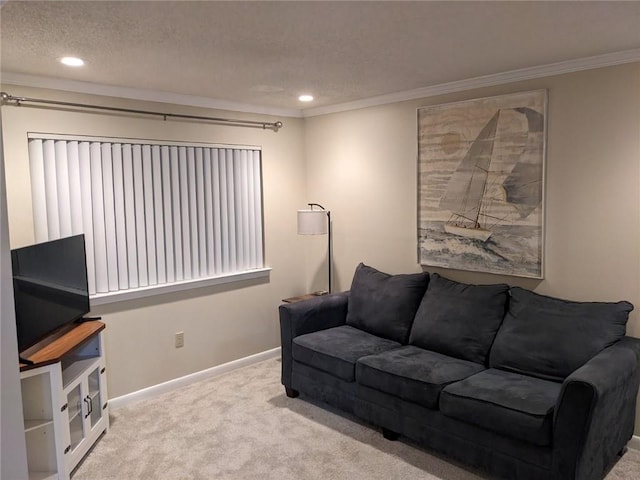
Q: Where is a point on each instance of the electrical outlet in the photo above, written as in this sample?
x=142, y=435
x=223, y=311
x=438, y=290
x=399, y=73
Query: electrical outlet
x=179, y=339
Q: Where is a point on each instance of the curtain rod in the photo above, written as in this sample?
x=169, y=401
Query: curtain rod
x=6, y=99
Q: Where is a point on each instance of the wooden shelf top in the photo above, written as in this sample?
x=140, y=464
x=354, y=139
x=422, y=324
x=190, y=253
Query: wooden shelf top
x=52, y=350
x=306, y=296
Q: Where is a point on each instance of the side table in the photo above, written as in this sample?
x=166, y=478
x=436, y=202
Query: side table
x=306, y=296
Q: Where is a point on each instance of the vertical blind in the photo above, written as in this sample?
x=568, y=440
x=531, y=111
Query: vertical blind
x=152, y=213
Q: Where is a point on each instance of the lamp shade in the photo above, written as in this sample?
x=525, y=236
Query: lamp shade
x=312, y=222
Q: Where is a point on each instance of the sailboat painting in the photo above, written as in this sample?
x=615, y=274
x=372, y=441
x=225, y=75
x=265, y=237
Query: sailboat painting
x=481, y=184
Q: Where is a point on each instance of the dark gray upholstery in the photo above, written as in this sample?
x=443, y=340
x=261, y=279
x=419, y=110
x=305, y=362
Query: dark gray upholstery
x=549, y=338
x=509, y=403
x=384, y=304
x=413, y=374
x=459, y=319
x=305, y=317
x=597, y=402
x=513, y=425
x=336, y=350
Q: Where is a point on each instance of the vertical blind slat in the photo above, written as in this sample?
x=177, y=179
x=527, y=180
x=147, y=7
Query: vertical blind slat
x=168, y=213
x=231, y=205
x=130, y=215
x=120, y=216
x=224, y=211
x=158, y=212
x=51, y=189
x=109, y=217
x=87, y=213
x=149, y=219
x=200, y=210
x=99, y=234
x=193, y=212
x=252, y=210
x=246, y=237
x=184, y=213
x=237, y=178
x=138, y=202
x=75, y=187
x=257, y=180
x=208, y=210
x=38, y=191
x=177, y=212
x=62, y=182
x=150, y=213
x=217, y=206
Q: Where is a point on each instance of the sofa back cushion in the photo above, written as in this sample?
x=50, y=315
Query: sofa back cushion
x=549, y=338
x=384, y=304
x=458, y=319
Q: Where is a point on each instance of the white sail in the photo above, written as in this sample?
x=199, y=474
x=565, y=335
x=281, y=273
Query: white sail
x=468, y=184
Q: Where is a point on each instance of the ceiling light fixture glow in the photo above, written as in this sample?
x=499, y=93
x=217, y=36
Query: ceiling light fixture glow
x=305, y=98
x=72, y=61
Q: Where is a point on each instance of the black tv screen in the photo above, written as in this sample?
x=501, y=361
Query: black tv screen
x=50, y=287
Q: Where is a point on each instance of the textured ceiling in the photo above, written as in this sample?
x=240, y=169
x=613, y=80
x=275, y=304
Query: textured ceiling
x=266, y=53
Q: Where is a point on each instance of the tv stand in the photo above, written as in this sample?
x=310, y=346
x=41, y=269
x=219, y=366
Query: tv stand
x=64, y=400
x=24, y=361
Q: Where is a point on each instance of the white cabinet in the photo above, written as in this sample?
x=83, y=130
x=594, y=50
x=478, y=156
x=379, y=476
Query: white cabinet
x=42, y=405
x=64, y=403
x=85, y=393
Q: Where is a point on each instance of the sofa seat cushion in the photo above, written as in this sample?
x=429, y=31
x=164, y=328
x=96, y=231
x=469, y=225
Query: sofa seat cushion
x=336, y=350
x=459, y=319
x=384, y=304
x=413, y=374
x=549, y=337
x=508, y=403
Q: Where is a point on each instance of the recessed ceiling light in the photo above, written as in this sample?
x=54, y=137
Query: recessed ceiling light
x=72, y=61
x=305, y=98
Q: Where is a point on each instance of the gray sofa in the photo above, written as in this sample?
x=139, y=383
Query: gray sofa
x=521, y=385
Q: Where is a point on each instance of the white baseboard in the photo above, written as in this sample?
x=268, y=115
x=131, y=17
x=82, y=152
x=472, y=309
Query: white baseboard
x=634, y=442
x=155, y=390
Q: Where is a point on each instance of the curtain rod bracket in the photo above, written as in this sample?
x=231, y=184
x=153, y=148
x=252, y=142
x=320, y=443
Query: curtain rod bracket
x=7, y=99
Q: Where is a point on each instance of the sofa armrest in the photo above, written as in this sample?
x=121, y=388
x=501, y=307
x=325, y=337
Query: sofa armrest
x=595, y=413
x=309, y=316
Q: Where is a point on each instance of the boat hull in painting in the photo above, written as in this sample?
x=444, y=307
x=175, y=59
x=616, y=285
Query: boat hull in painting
x=475, y=233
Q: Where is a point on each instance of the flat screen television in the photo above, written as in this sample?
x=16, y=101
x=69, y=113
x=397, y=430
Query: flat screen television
x=50, y=288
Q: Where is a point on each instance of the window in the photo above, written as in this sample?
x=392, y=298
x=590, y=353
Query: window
x=154, y=214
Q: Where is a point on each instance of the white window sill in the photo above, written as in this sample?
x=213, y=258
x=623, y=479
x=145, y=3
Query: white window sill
x=134, y=293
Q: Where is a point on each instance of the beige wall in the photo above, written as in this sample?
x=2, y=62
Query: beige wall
x=220, y=323
x=362, y=165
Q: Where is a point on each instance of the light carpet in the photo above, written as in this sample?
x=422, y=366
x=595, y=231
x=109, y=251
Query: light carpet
x=242, y=426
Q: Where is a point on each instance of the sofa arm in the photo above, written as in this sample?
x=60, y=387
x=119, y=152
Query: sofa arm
x=595, y=413
x=312, y=315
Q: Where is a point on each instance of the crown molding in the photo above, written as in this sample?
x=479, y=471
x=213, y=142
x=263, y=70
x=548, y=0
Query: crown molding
x=559, y=68
x=36, y=81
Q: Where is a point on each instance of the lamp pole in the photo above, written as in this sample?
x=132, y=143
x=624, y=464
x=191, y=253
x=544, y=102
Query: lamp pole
x=311, y=205
x=329, y=235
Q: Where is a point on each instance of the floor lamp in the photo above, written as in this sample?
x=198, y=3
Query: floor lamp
x=316, y=222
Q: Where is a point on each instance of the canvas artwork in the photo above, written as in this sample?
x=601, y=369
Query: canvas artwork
x=481, y=172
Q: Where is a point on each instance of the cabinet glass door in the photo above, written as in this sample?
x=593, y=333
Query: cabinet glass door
x=76, y=423
x=95, y=400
